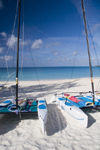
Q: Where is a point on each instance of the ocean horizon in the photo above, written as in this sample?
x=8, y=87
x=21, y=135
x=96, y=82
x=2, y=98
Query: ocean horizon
x=48, y=73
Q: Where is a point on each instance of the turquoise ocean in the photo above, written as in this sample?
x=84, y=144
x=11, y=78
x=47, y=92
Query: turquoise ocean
x=47, y=73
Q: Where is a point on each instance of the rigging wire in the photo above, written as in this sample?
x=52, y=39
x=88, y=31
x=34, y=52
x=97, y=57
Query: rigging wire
x=91, y=35
x=31, y=54
x=93, y=45
x=13, y=29
x=88, y=49
x=23, y=37
x=6, y=61
x=36, y=71
x=23, y=40
x=73, y=65
x=11, y=35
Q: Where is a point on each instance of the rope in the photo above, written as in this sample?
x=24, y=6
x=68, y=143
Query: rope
x=36, y=72
x=22, y=39
x=93, y=45
x=88, y=49
x=6, y=62
x=23, y=35
x=94, y=52
x=31, y=54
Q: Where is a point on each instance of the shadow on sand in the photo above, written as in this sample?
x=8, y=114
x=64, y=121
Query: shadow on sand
x=49, y=89
x=9, y=122
x=91, y=110
x=43, y=88
x=56, y=121
x=91, y=120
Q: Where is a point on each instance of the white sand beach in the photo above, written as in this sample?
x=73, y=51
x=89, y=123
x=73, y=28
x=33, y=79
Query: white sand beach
x=62, y=132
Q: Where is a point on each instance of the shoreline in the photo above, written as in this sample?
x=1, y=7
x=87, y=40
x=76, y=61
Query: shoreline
x=50, y=79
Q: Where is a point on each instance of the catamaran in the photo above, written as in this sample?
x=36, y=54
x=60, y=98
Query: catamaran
x=27, y=105
x=73, y=104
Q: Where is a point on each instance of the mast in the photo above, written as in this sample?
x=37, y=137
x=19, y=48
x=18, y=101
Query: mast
x=17, y=60
x=88, y=48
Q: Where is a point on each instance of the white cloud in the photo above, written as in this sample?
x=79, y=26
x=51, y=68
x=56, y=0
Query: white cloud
x=8, y=58
x=52, y=44
x=75, y=53
x=11, y=41
x=55, y=53
x=1, y=57
x=3, y=34
x=37, y=44
x=59, y=39
x=95, y=27
x=1, y=4
x=97, y=40
x=24, y=43
x=1, y=49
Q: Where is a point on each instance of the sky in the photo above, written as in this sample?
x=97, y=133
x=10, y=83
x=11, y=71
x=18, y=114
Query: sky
x=51, y=33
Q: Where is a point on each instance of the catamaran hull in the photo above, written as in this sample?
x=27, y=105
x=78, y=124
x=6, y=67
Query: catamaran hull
x=42, y=114
x=6, y=102
x=74, y=111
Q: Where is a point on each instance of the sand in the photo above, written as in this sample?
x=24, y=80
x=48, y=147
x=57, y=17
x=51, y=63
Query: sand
x=62, y=132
